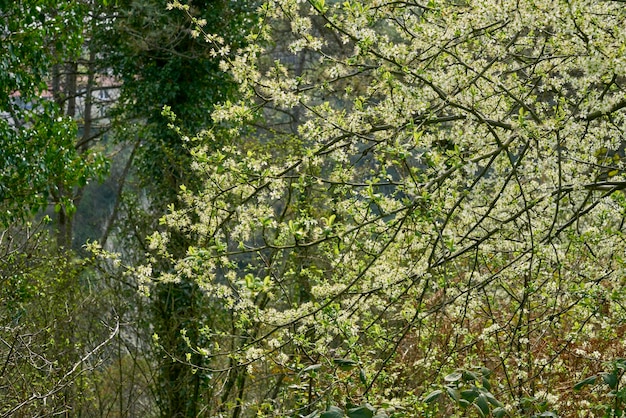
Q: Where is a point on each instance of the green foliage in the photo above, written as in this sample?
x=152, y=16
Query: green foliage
x=168, y=73
x=332, y=412
x=470, y=389
x=361, y=411
x=168, y=66
x=611, y=380
x=411, y=189
x=378, y=193
x=39, y=161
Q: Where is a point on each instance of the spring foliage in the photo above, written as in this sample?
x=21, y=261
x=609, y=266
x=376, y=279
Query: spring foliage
x=39, y=162
x=416, y=188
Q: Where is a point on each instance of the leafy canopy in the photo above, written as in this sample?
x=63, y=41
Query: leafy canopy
x=427, y=187
x=39, y=160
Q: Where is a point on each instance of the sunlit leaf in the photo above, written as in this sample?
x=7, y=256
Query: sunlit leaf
x=453, y=377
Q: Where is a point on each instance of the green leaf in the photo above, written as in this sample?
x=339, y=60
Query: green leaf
x=469, y=394
x=499, y=412
x=453, y=393
x=492, y=399
x=363, y=377
x=345, y=363
x=311, y=368
x=362, y=411
x=588, y=381
x=469, y=376
x=453, y=377
x=332, y=412
x=482, y=404
x=320, y=5
x=610, y=379
x=433, y=395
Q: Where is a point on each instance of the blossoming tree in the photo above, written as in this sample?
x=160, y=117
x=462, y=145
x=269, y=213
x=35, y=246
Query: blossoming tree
x=422, y=210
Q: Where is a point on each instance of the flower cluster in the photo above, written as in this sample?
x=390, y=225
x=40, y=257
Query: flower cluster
x=413, y=189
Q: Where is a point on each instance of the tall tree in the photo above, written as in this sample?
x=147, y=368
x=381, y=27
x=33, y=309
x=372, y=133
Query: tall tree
x=54, y=313
x=465, y=164
x=46, y=345
x=162, y=63
x=40, y=163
